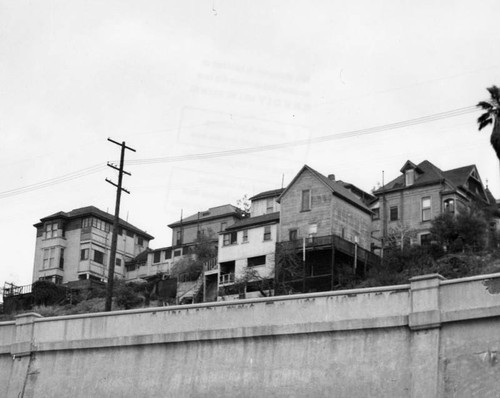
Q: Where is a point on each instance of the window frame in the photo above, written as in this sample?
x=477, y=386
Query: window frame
x=305, y=203
x=267, y=233
x=394, y=210
x=230, y=238
x=269, y=205
x=95, y=258
x=258, y=261
x=426, y=209
x=157, y=257
x=244, y=234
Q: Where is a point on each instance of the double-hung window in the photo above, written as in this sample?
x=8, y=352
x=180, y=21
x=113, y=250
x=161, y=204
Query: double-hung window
x=51, y=230
x=49, y=257
x=230, y=238
x=267, y=232
x=426, y=208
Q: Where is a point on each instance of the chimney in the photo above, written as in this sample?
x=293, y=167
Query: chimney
x=331, y=177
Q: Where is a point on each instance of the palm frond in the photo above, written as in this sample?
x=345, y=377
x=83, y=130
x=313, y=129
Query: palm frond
x=494, y=92
x=495, y=138
x=484, y=123
x=484, y=117
x=484, y=105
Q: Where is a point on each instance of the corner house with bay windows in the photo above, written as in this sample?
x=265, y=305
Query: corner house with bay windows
x=76, y=245
x=419, y=194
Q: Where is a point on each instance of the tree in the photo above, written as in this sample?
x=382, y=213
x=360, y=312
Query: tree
x=490, y=116
x=244, y=205
x=444, y=229
x=400, y=236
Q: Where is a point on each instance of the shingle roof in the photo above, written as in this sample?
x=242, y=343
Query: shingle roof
x=94, y=211
x=268, y=194
x=336, y=188
x=253, y=221
x=431, y=174
x=211, y=213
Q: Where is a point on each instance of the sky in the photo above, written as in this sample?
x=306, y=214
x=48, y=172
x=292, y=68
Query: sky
x=179, y=79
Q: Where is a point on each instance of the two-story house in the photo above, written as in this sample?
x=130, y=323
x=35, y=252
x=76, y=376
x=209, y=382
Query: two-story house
x=324, y=228
x=247, y=249
x=407, y=205
x=76, y=245
x=209, y=223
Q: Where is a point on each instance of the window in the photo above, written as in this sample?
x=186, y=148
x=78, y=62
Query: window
x=223, y=226
x=425, y=239
x=306, y=200
x=51, y=230
x=186, y=250
x=177, y=253
x=179, y=237
x=245, y=235
x=86, y=222
x=449, y=206
x=130, y=234
x=48, y=258
x=61, y=259
x=269, y=205
x=230, y=239
x=376, y=214
x=426, y=209
x=409, y=177
x=168, y=254
x=292, y=234
x=84, y=254
x=255, y=261
x=118, y=262
x=157, y=257
x=393, y=213
x=267, y=232
x=98, y=256
x=140, y=240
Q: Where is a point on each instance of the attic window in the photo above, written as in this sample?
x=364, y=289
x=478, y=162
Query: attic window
x=409, y=177
x=206, y=213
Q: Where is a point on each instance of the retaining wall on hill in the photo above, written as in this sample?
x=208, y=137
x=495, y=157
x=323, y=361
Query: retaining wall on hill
x=431, y=338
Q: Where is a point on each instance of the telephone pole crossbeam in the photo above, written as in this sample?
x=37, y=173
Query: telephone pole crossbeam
x=114, y=239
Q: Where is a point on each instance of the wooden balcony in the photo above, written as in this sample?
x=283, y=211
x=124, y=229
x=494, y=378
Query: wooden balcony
x=332, y=242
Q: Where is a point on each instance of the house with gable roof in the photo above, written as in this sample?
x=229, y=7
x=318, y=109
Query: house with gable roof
x=326, y=225
x=419, y=194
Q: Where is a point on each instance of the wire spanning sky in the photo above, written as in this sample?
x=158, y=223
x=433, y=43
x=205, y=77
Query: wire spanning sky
x=222, y=99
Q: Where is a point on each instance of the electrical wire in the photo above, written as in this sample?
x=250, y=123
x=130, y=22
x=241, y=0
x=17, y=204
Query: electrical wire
x=329, y=137
x=209, y=155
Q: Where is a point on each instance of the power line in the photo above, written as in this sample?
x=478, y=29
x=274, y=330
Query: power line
x=329, y=137
x=209, y=155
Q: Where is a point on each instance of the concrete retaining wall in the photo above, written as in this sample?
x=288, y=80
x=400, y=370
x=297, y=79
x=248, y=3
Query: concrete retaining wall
x=431, y=338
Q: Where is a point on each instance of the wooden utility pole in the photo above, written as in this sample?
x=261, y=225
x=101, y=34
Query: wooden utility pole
x=119, y=189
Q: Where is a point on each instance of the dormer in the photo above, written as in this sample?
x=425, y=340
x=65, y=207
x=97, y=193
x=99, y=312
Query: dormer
x=411, y=172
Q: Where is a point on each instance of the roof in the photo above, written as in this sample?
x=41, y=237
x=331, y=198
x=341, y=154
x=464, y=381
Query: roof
x=254, y=221
x=210, y=214
x=460, y=175
x=335, y=187
x=364, y=196
x=93, y=211
x=268, y=194
x=430, y=174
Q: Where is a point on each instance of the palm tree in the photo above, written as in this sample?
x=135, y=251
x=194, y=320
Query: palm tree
x=491, y=116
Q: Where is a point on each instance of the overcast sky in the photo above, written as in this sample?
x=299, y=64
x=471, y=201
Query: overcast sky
x=178, y=78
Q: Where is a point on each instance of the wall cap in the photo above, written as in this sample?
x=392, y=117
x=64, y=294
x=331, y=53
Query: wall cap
x=426, y=277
